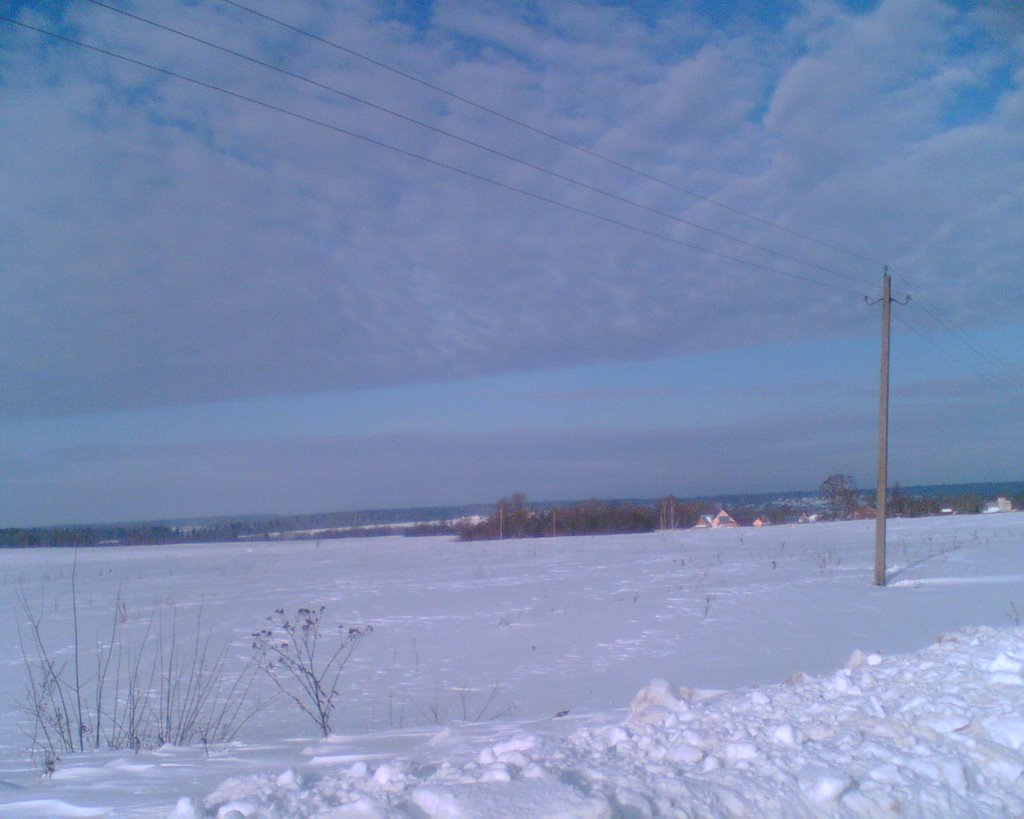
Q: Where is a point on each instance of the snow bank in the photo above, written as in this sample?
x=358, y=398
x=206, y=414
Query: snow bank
x=935, y=733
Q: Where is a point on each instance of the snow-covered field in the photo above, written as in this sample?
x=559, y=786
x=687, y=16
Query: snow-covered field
x=502, y=678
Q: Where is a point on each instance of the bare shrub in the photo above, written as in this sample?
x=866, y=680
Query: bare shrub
x=195, y=701
x=304, y=662
x=135, y=694
x=470, y=705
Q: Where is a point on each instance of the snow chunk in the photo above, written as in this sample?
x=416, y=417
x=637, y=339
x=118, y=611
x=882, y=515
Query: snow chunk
x=534, y=771
x=740, y=751
x=511, y=752
x=954, y=775
x=1003, y=769
x=514, y=750
x=685, y=753
x=1004, y=662
x=387, y=774
x=759, y=698
x=359, y=770
x=631, y=803
x=656, y=703
x=1007, y=731
x=784, y=734
x=841, y=683
x=823, y=785
x=887, y=774
x=526, y=742
x=185, y=808
x=437, y=803
x=615, y=735
x=496, y=773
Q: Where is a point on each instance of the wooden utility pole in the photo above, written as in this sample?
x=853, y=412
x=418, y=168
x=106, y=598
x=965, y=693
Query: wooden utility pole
x=881, y=485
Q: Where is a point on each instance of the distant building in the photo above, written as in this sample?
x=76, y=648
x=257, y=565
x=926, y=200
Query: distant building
x=723, y=520
x=805, y=518
x=998, y=505
x=761, y=520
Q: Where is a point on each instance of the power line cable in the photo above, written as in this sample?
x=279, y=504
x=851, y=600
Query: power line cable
x=966, y=341
x=946, y=353
x=950, y=325
x=465, y=140
x=437, y=163
x=548, y=135
x=961, y=336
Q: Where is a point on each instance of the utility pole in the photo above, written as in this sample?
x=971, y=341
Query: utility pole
x=881, y=487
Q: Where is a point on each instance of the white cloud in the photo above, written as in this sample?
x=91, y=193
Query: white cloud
x=162, y=243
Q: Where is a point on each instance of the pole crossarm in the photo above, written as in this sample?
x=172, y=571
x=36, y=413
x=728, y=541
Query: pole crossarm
x=892, y=300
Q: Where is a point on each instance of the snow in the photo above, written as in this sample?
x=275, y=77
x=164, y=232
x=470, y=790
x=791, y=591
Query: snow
x=714, y=673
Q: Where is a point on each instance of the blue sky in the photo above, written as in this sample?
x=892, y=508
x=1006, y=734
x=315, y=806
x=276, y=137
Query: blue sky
x=211, y=307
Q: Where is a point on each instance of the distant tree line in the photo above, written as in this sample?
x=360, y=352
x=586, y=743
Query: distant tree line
x=511, y=517
x=224, y=532
x=90, y=536
x=844, y=501
x=514, y=518
x=901, y=504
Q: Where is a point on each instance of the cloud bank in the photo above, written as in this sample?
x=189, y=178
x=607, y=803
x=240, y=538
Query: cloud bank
x=161, y=243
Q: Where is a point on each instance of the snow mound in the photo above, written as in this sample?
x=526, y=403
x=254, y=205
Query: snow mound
x=935, y=733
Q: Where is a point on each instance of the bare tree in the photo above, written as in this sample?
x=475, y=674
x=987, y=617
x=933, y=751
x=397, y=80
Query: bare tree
x=840, y=493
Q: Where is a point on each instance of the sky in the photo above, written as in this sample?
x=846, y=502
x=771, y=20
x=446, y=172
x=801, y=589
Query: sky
x=342, y=274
